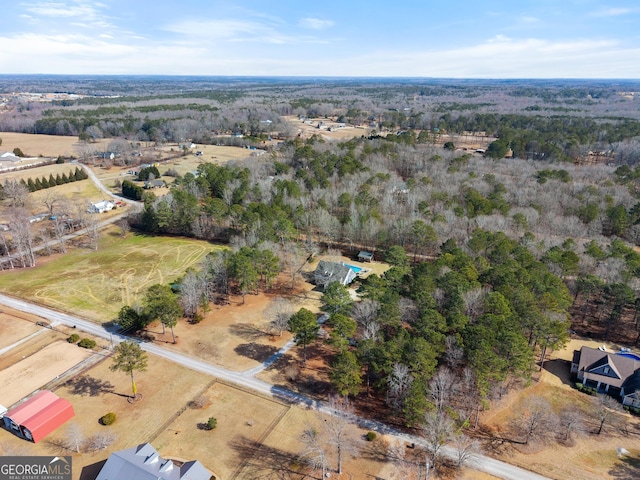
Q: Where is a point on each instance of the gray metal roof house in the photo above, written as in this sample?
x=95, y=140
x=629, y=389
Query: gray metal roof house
x=327, y=272
x=144, y=463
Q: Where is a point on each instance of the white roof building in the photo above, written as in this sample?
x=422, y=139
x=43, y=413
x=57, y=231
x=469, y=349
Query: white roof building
x=144, y=463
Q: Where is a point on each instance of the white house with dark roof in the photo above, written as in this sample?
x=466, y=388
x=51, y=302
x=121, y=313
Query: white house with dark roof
x=327, y=272
x=144, y=463
x=615, y=373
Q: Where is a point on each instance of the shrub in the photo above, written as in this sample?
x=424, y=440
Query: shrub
x=18, y=153
x=588, y=390
x=633, y=410
x=87, y=343
x=73, y=338
x=370, y=436
x=212, y=423
x=108, y=418
x=59, y=160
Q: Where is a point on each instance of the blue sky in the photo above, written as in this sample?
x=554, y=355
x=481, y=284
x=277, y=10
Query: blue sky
x=411, y=38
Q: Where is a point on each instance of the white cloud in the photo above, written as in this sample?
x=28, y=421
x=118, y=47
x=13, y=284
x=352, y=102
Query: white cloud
x=613, y=12
x=61, y=9
x=236, y=31
x=528, y=19
x=496, y=57
x=315, y=23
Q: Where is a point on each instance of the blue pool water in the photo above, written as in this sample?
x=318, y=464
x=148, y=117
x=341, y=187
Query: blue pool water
x=353, y=267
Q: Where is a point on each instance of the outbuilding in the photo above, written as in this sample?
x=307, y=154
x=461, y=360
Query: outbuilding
x=39, y=416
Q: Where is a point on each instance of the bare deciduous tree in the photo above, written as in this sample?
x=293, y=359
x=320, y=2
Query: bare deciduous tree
x=74, y=438
x=20, y=224
x=465, y=449
x=605, y=411
x=569, y=424
x=365, y=311
x=315, y=451
x=337, y=432
x=438, y=429
x=100, y=440
x=535, y=420
x=16, y=192
x=190, y=293
x=398, y=384
x=278, y=312
x=442, y=388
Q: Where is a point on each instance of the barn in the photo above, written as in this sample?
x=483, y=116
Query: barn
x=39, y=416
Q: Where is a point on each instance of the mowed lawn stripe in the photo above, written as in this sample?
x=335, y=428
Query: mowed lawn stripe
x=96, y=284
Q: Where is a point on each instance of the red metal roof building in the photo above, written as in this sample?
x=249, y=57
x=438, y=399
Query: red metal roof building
x=39, y=416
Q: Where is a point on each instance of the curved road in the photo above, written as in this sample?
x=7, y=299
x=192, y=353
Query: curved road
x=247, y=380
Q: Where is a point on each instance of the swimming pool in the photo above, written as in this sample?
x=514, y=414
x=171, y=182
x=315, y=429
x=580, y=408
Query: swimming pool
x=353, y=267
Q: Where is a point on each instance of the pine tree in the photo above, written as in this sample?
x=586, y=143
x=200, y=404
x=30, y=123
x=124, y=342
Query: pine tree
x=31, y=185
x=64, y=178
x=38, y=184
x=52, y=181
x=44, y=183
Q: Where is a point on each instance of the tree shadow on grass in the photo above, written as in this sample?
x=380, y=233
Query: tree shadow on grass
x=256, y=351
x=247, y=331
x=263, y=462
x=627, y=468
x=87, y=385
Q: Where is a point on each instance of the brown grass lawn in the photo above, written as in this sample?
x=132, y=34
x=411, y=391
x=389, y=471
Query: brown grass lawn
x=592, y=456
x=15, y=326
x=98, y=391
x=44, y=145
x=29, y=374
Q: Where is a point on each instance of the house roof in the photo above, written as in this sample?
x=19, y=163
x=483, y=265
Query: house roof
x=42, y=414
x=327, y=272
x=144, y=463
x=593, y=364
x=364, y=254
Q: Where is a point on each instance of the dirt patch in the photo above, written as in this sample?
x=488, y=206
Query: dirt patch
x=14, y=327
x=29, y=374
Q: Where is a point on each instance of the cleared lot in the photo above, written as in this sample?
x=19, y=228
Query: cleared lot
x=30, y=373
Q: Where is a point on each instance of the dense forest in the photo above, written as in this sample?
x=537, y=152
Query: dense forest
x=494, y=260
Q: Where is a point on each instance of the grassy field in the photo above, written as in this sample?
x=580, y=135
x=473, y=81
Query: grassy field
x=96, y=284
x=45, y=145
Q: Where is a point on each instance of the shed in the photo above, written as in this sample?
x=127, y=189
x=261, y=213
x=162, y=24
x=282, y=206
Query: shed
x=39, y=416
x=365, y=256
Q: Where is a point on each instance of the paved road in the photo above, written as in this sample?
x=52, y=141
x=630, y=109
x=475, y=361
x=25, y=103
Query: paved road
x=247, y=380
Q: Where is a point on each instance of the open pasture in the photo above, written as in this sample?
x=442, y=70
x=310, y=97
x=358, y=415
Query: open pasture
x=96, y=284
x=45, y=145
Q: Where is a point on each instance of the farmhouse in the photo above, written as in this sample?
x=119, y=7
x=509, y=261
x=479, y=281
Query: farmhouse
x=101, y=207
x=327, y=272
x=39, y=416
x=616, y=373
x=157, y=183
x=144, y=463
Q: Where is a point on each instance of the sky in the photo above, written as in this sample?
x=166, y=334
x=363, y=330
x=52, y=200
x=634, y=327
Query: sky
x=348, y=38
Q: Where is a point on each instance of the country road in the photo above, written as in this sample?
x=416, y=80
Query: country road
x=246, y=379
